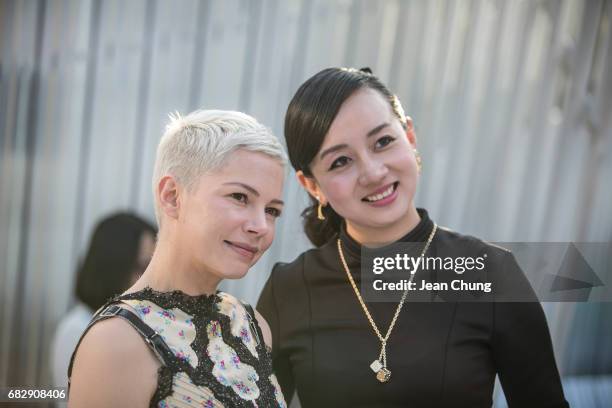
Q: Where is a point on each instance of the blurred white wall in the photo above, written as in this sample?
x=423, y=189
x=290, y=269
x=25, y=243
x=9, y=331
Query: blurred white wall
x=511, y=99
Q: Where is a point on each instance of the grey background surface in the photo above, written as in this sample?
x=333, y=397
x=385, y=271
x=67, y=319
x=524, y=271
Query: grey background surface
x=511, y=100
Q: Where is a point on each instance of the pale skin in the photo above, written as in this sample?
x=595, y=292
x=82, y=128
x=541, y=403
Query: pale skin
x=233, y=207
x=367, y=149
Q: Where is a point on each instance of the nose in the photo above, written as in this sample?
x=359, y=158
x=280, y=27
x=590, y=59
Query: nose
x=257, y=224
x=372, y=171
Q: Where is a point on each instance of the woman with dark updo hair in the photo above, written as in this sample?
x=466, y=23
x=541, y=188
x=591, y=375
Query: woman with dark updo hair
x=354, y=152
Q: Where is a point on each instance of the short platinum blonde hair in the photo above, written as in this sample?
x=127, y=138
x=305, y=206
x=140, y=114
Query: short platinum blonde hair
x=201, y=142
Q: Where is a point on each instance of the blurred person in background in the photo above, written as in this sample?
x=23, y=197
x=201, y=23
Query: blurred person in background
x=217, y=186
x=119, y=251
x=354, y=151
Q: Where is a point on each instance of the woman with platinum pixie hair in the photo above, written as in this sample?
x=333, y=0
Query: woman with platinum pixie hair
x=217, y=185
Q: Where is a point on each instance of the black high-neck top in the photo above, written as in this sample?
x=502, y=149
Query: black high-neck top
x=441, y=354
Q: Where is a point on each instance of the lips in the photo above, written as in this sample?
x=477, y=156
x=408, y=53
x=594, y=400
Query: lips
x=242, y=248
x=381, y=193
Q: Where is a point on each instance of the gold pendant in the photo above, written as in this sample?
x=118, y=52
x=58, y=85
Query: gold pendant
x=383, y=375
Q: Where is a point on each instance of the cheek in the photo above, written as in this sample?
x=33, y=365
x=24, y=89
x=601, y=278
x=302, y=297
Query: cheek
x=213, y=219
x=404, y=161
x=269, y=238
x=224, y=212
x=339, y=189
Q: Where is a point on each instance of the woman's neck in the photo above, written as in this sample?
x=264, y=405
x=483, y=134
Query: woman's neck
x=170, y=270
x=376, y=237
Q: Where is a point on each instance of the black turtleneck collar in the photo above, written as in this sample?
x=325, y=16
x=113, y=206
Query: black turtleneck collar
x=420, y=233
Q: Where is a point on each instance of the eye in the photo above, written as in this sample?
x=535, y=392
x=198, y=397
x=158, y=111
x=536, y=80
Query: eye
x=274, y=212
x=384, y=141
x=240, y=197
x=339, y=162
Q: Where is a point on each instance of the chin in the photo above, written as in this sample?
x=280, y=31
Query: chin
x=237, y=273
x=389, y=217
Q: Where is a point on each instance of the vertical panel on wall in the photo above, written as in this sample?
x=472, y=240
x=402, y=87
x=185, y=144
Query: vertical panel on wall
x=14, y=167
x=119, y=56
x=440, y=195
x=8, y=104
x=542, y=66
x=441, y=96
x=565, y=182
x=514, y=92
x=91, y=34
x=410, y=79
x=200, y=41
x=365, y=35
x=174, y=57
x=222, y=82
x=511, y=144
x=266, y=67
x=23, y=56
x=507, y=90
x=400, y=51
x=253, y=29
x=388, y=25
x=328, y=36
x=140, y=138
x=490, y=112
x=67, y=67
x=597, y=221
x=54, y=181
x=544, y=129
x=574, y=137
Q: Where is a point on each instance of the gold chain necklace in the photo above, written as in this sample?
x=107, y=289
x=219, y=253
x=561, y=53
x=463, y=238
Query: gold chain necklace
x=379, y=366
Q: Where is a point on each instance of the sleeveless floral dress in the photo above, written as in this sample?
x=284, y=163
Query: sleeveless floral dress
x=220, y=357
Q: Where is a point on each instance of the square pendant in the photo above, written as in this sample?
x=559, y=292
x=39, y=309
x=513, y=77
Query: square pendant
x=376, y=366
x=383, y=375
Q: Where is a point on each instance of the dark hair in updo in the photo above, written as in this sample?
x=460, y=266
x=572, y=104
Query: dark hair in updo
x=309, y=117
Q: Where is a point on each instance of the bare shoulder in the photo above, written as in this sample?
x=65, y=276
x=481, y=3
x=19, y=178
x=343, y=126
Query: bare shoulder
x=265, y=328
x=113, y=366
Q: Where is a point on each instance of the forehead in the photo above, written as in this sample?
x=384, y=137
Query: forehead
x=240, y=160
x=360, y=113
x=254, y=168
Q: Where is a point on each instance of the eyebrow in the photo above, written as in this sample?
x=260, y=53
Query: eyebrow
x=344, y=145
x=253, y=191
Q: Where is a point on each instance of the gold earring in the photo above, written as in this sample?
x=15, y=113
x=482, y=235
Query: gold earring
x=419, y=162
x=320, y=215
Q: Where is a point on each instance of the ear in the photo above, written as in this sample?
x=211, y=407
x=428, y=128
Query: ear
x=410, y=133
x=168, y=196
x=310, y=185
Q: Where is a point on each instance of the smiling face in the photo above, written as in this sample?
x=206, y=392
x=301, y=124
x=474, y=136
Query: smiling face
x=227, y=220
x=366, y=169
